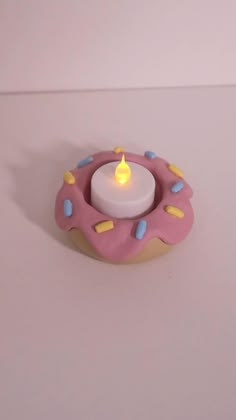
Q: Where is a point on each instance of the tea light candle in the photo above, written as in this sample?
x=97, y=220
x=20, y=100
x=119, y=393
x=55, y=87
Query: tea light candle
x=123, y=192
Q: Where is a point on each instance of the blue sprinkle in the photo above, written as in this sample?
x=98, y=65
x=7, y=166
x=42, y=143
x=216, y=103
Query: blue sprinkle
x=68, y=208
x=177, y=187
x=141, y=229
x=85, y=161
x=150, y=155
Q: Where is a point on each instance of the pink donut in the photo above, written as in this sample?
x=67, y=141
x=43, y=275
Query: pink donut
x=170, y=221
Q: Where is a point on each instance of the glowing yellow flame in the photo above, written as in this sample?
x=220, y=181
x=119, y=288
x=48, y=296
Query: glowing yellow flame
x=122, y=172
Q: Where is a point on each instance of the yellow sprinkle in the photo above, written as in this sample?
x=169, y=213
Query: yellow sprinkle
x=174, y=211
x=119, y=150
x=69, y=178
x=175, y=170
x=104, y=226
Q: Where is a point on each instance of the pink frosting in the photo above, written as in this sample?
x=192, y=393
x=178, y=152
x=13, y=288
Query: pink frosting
x=120, y=243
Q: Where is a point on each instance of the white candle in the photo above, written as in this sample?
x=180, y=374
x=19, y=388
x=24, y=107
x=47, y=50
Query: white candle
x=126, y=200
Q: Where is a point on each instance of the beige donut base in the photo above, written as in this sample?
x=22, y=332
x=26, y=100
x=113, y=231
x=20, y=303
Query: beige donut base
x=153, y=248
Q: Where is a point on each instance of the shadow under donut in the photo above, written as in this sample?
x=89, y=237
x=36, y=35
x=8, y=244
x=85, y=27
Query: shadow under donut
x=37, y=181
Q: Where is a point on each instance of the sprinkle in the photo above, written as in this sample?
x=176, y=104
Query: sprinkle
x=150, y=155
x=68, y=207
x=178, y=186
x=175, y=170
x=104, y=226
x=85, y=161
x=69, y=178
x=119, y=150
x=174, y=211
x=141, y=229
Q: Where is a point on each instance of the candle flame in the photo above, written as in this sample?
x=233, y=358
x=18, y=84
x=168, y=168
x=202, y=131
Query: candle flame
x=122, y=172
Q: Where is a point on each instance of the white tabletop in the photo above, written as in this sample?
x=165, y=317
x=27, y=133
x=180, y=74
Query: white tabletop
x=84, y=340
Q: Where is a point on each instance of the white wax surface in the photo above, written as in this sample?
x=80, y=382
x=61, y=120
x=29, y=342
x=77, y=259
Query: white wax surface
x=123, y=201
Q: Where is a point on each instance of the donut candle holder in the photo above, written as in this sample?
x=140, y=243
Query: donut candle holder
x=165, y=223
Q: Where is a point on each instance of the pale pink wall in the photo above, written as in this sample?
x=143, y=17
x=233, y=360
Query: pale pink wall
x=74, y=44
